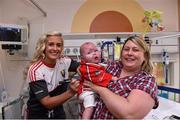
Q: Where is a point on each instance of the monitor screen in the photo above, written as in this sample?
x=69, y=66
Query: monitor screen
x=10, y=34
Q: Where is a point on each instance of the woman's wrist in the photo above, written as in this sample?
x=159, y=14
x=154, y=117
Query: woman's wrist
x=71, y=92
x=97, y=88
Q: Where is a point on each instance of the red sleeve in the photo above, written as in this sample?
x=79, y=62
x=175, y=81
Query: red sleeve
x=95, y=73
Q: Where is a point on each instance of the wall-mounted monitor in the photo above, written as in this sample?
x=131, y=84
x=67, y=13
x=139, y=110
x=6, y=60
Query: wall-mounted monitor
x=13, y=34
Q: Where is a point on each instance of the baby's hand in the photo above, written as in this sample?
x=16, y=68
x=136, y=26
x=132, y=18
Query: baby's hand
x=114, y=78
x=74, y=84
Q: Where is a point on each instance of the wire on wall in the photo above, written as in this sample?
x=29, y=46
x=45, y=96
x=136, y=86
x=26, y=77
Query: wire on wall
x=39, y=8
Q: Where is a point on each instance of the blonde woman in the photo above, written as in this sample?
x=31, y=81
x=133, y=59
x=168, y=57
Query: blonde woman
x=48, y=69
x=134, y=94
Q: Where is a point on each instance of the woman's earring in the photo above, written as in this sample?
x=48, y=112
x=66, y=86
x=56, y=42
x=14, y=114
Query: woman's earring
x=43, y=56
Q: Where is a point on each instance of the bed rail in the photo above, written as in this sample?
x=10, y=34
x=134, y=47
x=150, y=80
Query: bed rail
x=164, y=91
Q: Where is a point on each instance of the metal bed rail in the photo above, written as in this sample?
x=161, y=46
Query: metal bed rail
x=13, y=109
x=164, y=91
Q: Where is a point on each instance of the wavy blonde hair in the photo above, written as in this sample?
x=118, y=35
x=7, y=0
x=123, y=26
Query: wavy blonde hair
x=147, y=64
x=40, y=48
x=41, y=44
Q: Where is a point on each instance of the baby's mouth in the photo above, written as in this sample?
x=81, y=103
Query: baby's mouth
x=96, y=58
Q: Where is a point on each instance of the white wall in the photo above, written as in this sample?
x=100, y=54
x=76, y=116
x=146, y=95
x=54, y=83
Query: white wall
x=1, y=86
x=18, y=12
x=59, y=17
x=0, y=10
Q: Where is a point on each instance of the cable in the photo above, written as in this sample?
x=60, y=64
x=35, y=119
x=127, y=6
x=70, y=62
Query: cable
x=4, y=95
x=75, y=50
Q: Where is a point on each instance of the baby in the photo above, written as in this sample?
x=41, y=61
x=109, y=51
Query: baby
x=91, y=69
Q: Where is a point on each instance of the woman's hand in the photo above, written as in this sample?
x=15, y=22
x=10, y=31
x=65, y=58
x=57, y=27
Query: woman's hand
x=89, y=86
x=74, y=84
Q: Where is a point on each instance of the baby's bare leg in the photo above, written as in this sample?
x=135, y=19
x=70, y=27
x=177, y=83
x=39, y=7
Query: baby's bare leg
x=87, y=113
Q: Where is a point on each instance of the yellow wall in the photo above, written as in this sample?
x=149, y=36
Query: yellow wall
x=91, y=8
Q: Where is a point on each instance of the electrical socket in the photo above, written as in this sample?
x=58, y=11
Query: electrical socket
x=66, y=51
x=71, y=51
x=75, y=50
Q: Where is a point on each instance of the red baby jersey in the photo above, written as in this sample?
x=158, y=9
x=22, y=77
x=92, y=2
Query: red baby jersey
x=95, y=73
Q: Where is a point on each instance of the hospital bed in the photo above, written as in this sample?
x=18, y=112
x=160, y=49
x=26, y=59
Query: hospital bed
x=168, y=108
x=12, y=109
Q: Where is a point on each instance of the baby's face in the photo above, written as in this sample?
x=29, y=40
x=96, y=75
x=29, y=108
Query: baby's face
x=91, y=54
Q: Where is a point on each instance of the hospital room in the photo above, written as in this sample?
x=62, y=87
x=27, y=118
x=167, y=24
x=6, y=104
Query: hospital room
x=47, y=48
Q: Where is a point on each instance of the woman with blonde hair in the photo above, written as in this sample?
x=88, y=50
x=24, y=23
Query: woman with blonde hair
x=134, y=94
x=46, y=74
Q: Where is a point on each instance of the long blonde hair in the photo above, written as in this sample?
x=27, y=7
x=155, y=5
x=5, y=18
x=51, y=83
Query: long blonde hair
x=40, y=48
x=147, y=64
x=41, y=44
